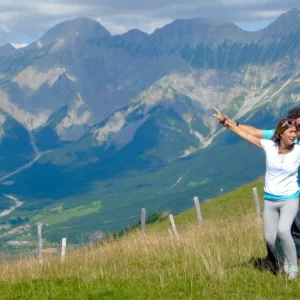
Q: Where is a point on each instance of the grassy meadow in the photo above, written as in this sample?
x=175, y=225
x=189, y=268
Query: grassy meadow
x=211, y=262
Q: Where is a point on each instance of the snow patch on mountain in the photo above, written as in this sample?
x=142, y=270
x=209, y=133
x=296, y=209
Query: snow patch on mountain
x=295, y=98
x=126, y=133
x=114, y=124
x=155, y=94
x=58, y=45
x=117, y=130
x=72, y=78
x=77, y=120
x=39, y=44
x=266, y=84
x=236, y=93
x=33, y=79
x=252, y=86
x=29, y=120
x=2, y=120
x=188, y=151
x=188, y=119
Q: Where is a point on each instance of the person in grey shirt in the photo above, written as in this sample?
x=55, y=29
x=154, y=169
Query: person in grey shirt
x=275, y=263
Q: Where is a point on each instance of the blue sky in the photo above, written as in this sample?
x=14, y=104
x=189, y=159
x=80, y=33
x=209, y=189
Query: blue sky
x=25, y=22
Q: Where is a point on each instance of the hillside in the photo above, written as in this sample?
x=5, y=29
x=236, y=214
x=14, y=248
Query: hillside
x=95, y=126
x=212, y=262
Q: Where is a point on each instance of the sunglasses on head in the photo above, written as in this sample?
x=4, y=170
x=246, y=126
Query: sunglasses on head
x=291, y=123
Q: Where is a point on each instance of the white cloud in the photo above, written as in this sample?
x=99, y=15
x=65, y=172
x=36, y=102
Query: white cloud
x=112, y=27
x=244, y=2
x=3, y=28
x=61, y=9
x=145, y=23
x=151, y=26
x=8, y=16
x=269, y=13
x=19, y=45
x=22, y=21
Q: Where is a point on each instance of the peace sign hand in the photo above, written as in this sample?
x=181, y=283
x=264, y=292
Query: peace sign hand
x=219, y=116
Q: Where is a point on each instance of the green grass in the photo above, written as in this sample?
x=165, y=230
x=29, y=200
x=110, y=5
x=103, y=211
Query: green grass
x=193, y=183
x=172, y=122
x=212, y=262
x=240, y=285
x=59, y=215
x=197, y=183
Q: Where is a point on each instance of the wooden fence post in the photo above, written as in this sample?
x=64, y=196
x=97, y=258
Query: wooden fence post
x=174, y=227
x=256, y=200
x=171, y=232
x=63, y=248
x=143, y=220
x=198, y=211
x=40, y=245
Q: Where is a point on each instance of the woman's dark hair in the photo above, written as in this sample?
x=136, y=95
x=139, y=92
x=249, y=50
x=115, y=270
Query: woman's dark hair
x=294, y=113
x=280, y=129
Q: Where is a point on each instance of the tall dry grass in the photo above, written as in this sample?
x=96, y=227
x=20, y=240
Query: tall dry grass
x=211, y=262
x=208, y=253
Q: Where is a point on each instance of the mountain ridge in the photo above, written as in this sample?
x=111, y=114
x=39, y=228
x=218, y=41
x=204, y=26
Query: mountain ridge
x=126, y=120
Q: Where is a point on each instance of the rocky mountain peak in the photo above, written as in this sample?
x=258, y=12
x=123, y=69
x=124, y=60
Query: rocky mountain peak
x=7, y=49
x=293, y=13
x=82, y=27
x=200, y=30
x=133, y=36
x=284, y=24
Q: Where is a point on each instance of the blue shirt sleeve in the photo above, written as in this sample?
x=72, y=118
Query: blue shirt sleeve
x=268, y=134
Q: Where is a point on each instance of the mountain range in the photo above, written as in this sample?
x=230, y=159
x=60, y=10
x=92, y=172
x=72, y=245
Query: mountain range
x=93, y=127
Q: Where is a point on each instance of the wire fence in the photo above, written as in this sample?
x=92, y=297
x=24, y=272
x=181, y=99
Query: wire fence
x=37, y=251
x=7, y=255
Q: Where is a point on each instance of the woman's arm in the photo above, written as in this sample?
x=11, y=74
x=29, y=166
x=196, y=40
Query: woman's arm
x=252, y=130
x=244, y=134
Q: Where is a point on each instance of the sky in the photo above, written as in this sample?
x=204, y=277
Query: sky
x=23, y=22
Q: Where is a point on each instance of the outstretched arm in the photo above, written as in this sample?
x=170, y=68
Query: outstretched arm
x=250, y=129
x=253, y=130
x=241, y=132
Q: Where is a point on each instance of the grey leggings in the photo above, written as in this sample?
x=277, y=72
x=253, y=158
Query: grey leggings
x=278, y=219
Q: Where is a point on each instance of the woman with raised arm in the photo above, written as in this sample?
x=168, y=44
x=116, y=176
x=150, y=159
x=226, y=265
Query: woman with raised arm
x=281, y=191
